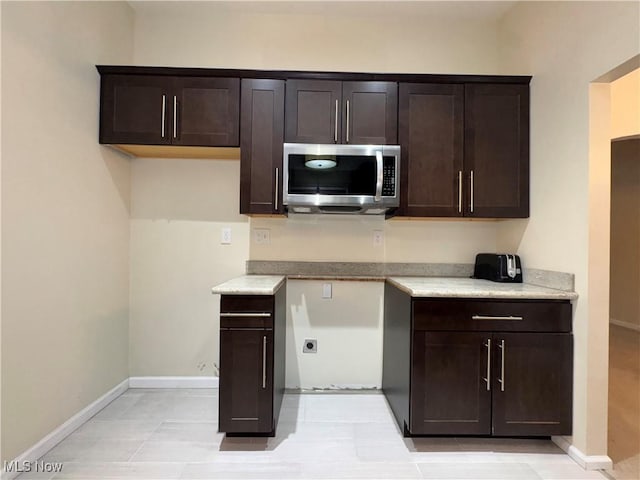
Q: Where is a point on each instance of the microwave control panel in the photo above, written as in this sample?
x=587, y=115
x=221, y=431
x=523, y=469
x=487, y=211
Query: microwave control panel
x=389, y=177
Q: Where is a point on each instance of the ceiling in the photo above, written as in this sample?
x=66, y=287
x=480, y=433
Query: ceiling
x=480, y=10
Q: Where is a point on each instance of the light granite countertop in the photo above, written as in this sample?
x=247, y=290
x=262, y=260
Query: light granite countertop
x=250, y=285
x=474, y=288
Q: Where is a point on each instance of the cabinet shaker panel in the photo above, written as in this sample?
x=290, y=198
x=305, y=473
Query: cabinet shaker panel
x=246, y=383
x=206, y=111
x=312, y=111
x=134, y=109
x=370, y=113
x=533, y=375
x=497, y=150
x=448, y=392
x=431, y=135
x=262, y=127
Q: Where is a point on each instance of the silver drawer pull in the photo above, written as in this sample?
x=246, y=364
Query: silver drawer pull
x=244, y=315
x=502, y=352
x=264, y=361
x=491, y=317
x=488, y=378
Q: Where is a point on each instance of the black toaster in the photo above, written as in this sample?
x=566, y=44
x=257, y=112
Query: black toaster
x=498, y=267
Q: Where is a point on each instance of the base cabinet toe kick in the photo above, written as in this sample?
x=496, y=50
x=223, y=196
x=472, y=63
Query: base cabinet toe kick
x=252, y=363
x=456, y=366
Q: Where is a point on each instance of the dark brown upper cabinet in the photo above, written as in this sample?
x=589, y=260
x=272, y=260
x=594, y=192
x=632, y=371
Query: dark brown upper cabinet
x=328, y=111
x=431, y=120
x=169, y=110
x=497, y=150
x=465, y=150
x=262, y=126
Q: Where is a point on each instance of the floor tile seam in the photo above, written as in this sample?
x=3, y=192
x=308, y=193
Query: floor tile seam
x=129, y=460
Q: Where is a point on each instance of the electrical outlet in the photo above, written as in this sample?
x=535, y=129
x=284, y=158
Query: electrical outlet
x=326, y=290
x=310, y=346
x=378, y=238
x=225, y=236
x=262, y=236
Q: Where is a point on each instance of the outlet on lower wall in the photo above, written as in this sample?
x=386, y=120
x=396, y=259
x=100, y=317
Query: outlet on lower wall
x=310, y=346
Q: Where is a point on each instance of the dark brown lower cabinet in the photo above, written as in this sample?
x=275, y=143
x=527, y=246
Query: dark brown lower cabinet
x=532, y=384
x=252, y=363
x=448, y=393
x=467, y=376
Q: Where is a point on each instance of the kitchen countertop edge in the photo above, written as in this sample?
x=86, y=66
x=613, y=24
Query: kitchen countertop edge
x=250, y=285
x=424, y=287
x=434, y=287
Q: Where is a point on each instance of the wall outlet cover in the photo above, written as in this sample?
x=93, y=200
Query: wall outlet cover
x=262, y=236
x=225, y=236
x=310, y=346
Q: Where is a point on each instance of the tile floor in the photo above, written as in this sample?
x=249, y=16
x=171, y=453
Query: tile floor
x=172, y=434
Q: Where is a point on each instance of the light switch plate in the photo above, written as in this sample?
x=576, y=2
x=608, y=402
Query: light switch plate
x=225, y=236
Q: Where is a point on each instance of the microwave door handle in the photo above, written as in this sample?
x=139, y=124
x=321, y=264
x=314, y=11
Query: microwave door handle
x=378, y=196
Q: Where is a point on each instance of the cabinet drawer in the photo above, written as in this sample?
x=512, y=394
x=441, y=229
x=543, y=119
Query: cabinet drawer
x=246, y=311
x=492, y=315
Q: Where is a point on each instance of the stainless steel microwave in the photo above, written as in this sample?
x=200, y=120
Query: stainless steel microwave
x=361, y=179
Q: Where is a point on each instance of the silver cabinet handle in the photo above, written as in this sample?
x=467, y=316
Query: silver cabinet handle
x=471, y=191
x=347, y=121
x=244, y=315
x=494, y=317
x=175, y=116
x=488, y=378
x=277, y=188
x=164, y=112
x=264, y=361
x=501, y=379
x=379, y=166
x=335, y=132
x=460, y=191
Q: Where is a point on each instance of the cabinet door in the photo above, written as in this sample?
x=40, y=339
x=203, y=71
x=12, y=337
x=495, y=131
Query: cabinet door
x=497, y=150
x=312, y=112
x=205, y=111
x=134, y=109
x=532, y=387
x=262, y=126
x=449, y=393
x=370, y=113
x=246, y=381
x=431, y=136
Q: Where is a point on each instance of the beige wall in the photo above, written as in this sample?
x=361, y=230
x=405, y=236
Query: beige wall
x=178, y=209
x=168, y=247
x=349, y=335
x=65, y=217
x=567, y=45
x=625, y=105
x=625, y=232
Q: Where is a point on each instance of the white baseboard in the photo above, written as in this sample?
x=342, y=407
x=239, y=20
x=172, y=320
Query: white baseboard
x=588, y=462
x=68, y=427
x=620, y=323
x=173, y=382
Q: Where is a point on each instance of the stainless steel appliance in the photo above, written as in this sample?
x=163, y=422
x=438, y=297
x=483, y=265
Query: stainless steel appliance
x=498, y=267
x=360, y=179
